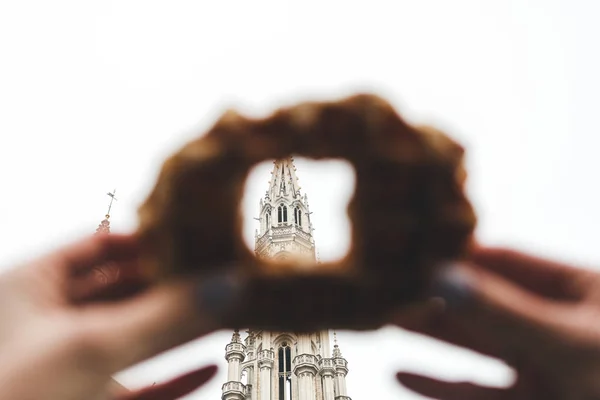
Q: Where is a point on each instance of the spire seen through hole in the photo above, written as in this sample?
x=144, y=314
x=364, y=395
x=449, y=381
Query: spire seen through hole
x=297, y=205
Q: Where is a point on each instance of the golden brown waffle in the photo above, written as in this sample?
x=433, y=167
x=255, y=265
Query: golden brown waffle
x=409, y=213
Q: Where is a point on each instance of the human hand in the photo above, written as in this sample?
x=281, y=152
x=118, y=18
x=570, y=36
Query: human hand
x=539, y=316
x=64, y=332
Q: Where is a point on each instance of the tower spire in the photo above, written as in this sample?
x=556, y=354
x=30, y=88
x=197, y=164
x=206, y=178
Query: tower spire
x=284, y=182
x=285, y=228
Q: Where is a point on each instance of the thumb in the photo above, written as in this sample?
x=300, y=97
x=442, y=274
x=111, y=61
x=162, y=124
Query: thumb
x=499, y=309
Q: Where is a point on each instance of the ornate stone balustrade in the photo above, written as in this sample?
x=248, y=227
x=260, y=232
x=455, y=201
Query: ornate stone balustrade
x=327, y=366
x=266, y=357
x=340, y=362
x=303, y=235
x=236, y=350
x=326, y=363
x=234, y=390
x=235, y=347
x=305, y=363
x=289, y=230
x=305, y=358
x=341, y=365
x=282, y=230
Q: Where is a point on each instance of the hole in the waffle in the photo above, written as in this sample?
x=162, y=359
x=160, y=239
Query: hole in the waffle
x=296, y=208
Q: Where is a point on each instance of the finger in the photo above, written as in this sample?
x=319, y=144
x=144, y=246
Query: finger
x=430, y=319
x=80, y=257
x=485, y=314
x=441, y=390
x=505, y=313
x=418, y=315
x=108, y=282
x=453, y=331
x=545, y=277
x=100, y=250
x=175, y=388
x=159, y=319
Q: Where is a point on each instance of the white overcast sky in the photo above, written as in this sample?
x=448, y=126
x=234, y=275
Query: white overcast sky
x=95, y=94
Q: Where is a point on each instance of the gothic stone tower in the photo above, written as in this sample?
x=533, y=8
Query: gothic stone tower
x=284, y=365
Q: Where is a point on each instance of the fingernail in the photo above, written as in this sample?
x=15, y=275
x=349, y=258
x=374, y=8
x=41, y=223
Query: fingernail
x=219, y=294
x=454, y=286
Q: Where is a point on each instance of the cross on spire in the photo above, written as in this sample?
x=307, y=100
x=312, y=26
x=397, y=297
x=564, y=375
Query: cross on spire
x=112, y=198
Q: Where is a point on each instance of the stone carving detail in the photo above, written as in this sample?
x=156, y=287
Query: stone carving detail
x=303, y=234
x=234, y=387
x=341, y=362
x=266, y=358
x=282, y=230
x=263, y=239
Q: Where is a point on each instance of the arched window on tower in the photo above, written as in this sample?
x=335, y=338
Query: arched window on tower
x=285, y=372
x=297, y=216
x=281, y=214
x=268, y=220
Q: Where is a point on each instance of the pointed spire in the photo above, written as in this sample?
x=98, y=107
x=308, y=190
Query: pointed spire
x=283, y=208
x=284, y=181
